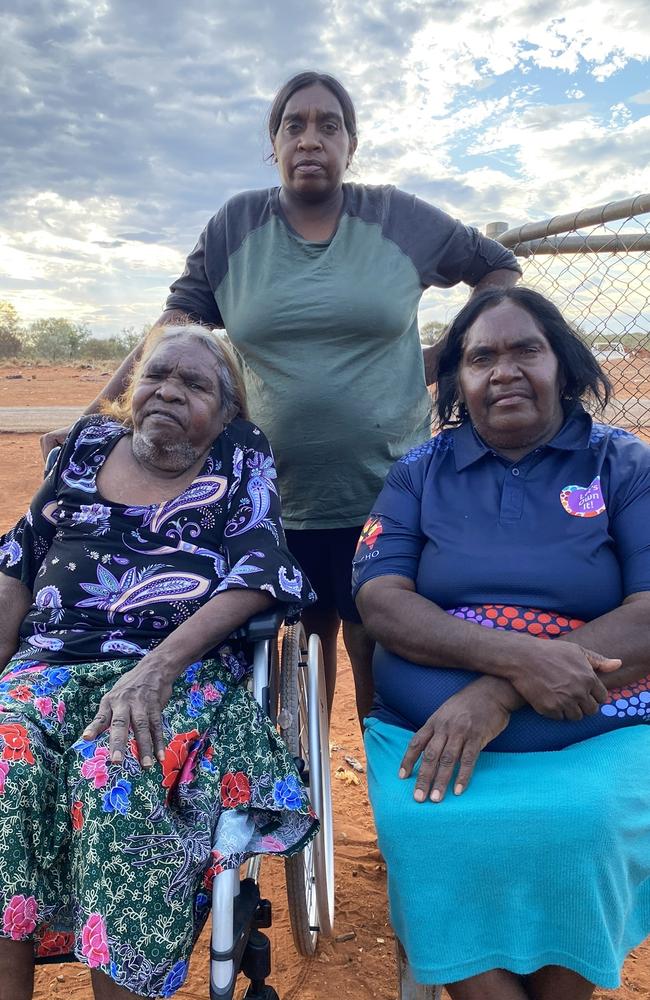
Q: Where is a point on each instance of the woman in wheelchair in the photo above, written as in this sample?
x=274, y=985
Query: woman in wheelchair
x=127, y=741
x=524, y=520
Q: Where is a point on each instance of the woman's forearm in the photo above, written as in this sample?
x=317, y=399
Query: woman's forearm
x=206, y=628
x=558, y=678
x=624, y=633
x=418, y=630
x=15, y=602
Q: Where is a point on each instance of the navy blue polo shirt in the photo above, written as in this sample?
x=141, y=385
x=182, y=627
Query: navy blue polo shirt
x=565, y=529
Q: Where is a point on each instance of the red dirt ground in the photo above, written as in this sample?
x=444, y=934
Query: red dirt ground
x=360, y=968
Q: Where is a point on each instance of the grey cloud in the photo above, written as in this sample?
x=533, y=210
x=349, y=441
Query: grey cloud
x=126, y=101
x=157, y=110
x=143, y=237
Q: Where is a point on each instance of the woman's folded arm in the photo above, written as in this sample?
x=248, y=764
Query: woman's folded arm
x=559, y=680
x=623, y=633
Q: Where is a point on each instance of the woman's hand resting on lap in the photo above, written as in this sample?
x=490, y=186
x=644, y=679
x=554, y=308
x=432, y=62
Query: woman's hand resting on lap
x=455, y=734
x=135, y=702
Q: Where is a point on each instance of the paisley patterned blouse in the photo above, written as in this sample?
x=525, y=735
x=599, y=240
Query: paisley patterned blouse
x=110, y=580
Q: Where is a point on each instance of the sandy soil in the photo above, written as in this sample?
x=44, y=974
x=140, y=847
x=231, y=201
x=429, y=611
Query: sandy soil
x=362, y=967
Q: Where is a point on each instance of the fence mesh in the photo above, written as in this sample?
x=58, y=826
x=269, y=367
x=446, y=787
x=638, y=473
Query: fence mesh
x=595, y=266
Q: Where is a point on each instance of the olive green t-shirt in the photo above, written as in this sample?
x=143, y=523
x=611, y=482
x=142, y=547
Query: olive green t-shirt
x=327, y=333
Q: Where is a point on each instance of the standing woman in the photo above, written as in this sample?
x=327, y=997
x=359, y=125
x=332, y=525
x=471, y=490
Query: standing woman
x=318, y=284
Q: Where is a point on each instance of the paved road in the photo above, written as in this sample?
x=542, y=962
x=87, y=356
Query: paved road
x=37, y=419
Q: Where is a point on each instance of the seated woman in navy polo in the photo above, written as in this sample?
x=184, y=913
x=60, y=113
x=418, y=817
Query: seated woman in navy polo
x=523, y=520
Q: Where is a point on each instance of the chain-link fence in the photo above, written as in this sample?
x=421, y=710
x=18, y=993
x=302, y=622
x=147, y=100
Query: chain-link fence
x=595, y=265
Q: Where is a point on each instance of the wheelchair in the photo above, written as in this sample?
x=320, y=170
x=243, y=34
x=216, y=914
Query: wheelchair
x=290, y=687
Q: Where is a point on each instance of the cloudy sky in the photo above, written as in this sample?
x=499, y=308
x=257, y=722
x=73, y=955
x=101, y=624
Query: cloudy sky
x=125, y=125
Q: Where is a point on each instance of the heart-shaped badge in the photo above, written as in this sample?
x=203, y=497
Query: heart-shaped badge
x=583, y=501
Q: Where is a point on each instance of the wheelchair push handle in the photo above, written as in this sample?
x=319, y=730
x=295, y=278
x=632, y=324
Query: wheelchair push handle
x=50, y=461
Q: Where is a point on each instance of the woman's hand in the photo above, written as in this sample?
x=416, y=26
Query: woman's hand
x=455, y=734
x=53, y=439
x=559, y=680
x=135, y=702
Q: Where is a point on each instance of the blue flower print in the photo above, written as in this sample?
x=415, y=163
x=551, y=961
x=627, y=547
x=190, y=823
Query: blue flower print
x=195, y=702
x=287, y=792
x=117, y=798
x=85, y=748
x=174, y=979
x=192, y=671
x=57, y=676
x=43, y=688
x=201, y=901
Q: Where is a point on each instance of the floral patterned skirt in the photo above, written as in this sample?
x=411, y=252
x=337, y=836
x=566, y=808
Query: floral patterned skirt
x=114, y=862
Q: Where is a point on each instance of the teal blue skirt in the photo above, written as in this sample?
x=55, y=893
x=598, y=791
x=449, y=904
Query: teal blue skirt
x=544, y=860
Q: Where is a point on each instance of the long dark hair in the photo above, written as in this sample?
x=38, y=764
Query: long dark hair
x=308, y=79
x=580, y=373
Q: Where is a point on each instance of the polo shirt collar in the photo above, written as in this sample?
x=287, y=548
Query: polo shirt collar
x=573, y=435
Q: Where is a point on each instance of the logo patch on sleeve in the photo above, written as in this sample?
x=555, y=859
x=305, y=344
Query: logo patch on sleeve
x=372, y=529
x=583, y=501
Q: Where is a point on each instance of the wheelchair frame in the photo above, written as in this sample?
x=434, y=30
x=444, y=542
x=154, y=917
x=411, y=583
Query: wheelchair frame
x=239, y=913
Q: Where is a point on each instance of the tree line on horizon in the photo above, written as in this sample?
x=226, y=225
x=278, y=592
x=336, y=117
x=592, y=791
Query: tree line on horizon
x=60, y=341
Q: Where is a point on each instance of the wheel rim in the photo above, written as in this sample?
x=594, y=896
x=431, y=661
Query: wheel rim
x=308, y=855
x=320, y=788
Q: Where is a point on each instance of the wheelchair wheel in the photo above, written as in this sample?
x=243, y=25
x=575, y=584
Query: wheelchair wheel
x=303, y=725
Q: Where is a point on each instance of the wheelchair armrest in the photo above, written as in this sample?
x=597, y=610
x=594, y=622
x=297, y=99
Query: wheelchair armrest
x=50, y=461
x=266, y=625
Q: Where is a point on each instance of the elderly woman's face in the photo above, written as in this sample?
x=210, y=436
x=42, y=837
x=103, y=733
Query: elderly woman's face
x=509, y=381
x=176, y=404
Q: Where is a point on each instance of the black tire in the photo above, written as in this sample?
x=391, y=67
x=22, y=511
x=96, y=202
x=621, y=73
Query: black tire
x=293, y=723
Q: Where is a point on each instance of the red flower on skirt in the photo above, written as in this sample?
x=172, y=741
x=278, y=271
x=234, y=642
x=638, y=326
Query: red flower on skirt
x=176, y=753
x=16, y=743
x=214, y=869
x=52, y=943
x=235, y=789
x=21, y=693
x=77, y=815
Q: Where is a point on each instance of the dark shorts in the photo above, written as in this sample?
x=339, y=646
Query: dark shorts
x=325, y=554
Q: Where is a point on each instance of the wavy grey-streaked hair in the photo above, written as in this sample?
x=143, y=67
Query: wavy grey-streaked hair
x=231, y=384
